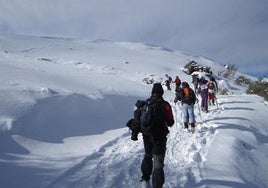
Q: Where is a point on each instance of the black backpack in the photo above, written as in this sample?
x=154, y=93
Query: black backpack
x=152, y=117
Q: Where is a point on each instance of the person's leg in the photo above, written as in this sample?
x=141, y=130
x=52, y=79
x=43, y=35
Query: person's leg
x=146, y=168
x=210, y=98
x=206, y=103
x=158, y=178
x=168, y=86
x=213, y=98
x=195, y=88
x=147, y=162
x=185, y=115
x=203, y=103
x=159, y=150
x=191, y=114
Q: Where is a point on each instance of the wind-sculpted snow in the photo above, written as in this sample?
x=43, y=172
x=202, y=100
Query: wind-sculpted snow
x=74, y=115
x=117, y=163
x=64, y=104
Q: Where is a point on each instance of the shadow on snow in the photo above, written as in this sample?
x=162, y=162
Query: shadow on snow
x=53, y=119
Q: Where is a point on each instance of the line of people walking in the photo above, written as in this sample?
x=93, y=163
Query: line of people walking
x=153, y=118
x=206, y=88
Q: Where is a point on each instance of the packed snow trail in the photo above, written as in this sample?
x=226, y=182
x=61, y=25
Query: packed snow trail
x=117, y=164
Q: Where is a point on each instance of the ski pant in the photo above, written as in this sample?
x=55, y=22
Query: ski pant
x=204, y=103
x=168, y=86
x=153, y=161
x=211, y=97
x=195, y=87
x=188, y=113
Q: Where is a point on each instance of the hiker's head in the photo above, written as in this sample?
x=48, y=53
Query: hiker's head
x=184, y=84
x=157, y=89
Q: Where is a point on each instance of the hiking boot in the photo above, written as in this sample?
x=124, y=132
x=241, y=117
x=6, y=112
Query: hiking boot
x=145, y=178
x=134, y=136
x=193, y=125
x=185, y=125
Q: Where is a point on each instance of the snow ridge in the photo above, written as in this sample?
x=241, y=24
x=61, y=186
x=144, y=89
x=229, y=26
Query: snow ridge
x=117, y=163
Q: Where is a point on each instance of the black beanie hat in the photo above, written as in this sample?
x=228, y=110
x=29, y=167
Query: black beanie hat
x=157, y=89
x=184, y=84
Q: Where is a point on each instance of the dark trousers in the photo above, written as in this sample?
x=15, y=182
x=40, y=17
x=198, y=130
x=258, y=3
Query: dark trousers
x=153, y=161
x=204, y=103
x=195, y=87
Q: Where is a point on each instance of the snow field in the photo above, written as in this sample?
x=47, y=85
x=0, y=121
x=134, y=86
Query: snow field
x=64, y=104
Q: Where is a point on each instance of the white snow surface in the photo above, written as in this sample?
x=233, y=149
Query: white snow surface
x=64, y=104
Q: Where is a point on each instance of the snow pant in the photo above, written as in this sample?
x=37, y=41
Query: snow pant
x=204, y=103
x=188, y=113
x=153, y=161
x=168, y=86
x=211, y=97
x=195, y=87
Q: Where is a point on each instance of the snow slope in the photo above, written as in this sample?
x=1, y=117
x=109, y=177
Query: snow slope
x=64, y=104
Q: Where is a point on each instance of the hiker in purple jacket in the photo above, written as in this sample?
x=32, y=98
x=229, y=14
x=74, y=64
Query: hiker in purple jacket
x=203, y=91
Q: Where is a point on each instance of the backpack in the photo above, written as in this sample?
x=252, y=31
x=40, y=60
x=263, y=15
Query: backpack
x=152, y=116
x=186, y=91
x=188, y=95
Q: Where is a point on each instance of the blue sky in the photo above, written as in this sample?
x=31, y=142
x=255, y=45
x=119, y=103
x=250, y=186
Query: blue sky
x=227, y=31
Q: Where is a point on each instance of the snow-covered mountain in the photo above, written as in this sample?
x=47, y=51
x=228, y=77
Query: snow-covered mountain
x=64, y=104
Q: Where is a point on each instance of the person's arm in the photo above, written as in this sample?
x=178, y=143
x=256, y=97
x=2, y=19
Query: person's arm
x=169, y=115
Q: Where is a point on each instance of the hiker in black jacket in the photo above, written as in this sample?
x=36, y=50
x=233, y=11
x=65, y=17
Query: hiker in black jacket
x=156, y=138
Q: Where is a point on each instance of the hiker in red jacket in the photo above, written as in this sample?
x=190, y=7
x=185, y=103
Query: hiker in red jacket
x=177, y=81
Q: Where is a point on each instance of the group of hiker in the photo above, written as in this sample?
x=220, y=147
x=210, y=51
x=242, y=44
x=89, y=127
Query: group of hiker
x=153, y=116
x=204, y=86
x=168, y=81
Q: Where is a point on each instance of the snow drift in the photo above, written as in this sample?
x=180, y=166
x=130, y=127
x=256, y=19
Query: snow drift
x=64, y=104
